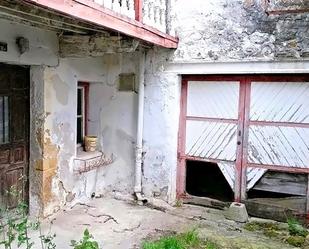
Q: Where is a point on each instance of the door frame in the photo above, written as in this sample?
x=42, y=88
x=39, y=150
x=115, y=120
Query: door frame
x=243, y=127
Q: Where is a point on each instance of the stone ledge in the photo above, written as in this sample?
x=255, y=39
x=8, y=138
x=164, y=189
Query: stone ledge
x=87, y=161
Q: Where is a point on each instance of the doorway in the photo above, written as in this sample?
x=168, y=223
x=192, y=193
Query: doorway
x=14, y=134
x=246, y=126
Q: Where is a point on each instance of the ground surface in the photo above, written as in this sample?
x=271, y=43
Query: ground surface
x=119, y=225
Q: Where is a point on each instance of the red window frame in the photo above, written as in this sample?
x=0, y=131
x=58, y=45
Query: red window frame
x=85, y=86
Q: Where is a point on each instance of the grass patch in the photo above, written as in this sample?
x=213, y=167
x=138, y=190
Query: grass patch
x=296, y=229
x=188, y=240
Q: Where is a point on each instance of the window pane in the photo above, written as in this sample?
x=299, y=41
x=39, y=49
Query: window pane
x=80, y=130
x=4, y=119
x=79, y=101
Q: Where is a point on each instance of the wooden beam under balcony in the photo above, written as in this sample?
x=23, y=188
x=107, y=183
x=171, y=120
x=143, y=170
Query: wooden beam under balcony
x=81, y=46
x=93, y=13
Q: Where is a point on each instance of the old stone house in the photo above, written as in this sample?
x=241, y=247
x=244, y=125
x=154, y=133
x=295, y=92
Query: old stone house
x=206, y=101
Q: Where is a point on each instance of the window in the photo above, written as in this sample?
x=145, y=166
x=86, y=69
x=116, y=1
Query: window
x=4, y=119
x=82, y=111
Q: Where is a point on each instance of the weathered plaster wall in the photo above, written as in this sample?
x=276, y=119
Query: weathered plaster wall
x=162, y=97
x=43, y=45
x=112, y=117
x=234, y=30
x=219, y=36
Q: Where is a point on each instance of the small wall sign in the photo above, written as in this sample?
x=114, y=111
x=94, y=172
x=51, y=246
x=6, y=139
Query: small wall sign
x=3, y=47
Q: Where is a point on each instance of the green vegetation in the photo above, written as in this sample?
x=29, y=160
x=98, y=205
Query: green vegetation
x=86, y=242
x=178, y=203
x=296, y=229
x=188, y=240
x=15, y=224
x=294, y=234
x=270, y=230
x=296, y=240
x=15, y=228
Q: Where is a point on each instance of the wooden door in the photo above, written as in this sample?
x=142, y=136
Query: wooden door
x=276, y=127
x=246, y=125
x=14, y=134
x=211, y=126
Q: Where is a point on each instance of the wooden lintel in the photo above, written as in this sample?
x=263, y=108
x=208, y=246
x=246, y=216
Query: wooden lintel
x=90, y=12
x=78, y=46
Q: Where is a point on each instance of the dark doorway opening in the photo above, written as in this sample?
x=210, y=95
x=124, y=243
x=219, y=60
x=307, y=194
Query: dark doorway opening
x=278, y=196
x=205, y=179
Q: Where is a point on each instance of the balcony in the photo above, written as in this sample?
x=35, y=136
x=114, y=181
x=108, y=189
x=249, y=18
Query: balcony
x=144, y=20
x=150, y=12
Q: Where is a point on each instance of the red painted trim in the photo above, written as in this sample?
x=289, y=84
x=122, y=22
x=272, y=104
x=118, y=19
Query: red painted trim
x=307, y=201
x=279, y=168
x=212, y=78
x=239, y=176
x=220, y=120
x=85, y=85
x=138, y=7
x=285, y=124
x=244, y=158
x=181, y=171
x=92, y=12
x=254, y=78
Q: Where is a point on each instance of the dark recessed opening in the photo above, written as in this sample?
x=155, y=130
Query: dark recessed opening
x=278, y=195
x=205, y=179
x=279, y=185
x=266, y=194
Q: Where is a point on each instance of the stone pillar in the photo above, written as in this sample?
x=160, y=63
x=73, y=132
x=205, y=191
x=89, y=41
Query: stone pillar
x=43, y=154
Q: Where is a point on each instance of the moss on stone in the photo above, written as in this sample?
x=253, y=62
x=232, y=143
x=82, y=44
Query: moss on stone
x=296, y=240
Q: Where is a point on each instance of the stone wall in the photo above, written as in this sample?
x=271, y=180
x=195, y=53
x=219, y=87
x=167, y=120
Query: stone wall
x=222, y=30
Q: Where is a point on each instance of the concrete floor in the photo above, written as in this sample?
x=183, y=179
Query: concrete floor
x=120, y=225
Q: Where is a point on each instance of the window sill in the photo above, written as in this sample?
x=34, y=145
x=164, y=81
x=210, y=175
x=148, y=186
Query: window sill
x=87, y=161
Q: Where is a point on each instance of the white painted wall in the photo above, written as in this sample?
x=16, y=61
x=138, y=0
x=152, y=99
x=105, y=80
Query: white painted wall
x=162, y=105
x=43, y=45
x=112, y=117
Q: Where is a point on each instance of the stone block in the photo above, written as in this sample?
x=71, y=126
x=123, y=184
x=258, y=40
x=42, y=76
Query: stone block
x=237, y=212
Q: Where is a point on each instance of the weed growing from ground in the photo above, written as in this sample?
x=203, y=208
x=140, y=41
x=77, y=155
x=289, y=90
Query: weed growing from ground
x=188, y=240
x=15, y=228
x=86, y=242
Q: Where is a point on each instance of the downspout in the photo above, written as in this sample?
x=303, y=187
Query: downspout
x=139, y=135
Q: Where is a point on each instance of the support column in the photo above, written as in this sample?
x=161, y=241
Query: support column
x=43, y=154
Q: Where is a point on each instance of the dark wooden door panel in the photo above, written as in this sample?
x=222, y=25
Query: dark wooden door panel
x=14, y=180
x=14, y=134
